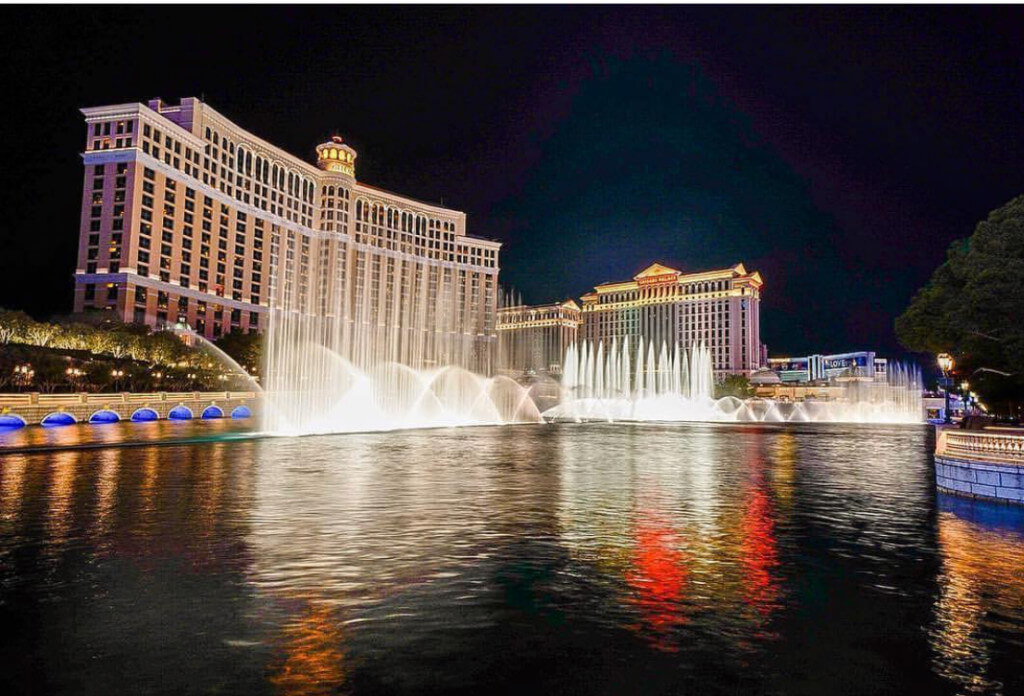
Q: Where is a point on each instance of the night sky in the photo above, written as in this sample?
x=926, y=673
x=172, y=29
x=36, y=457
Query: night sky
x=836, y=150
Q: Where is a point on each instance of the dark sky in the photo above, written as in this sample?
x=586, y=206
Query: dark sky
x=836, y=150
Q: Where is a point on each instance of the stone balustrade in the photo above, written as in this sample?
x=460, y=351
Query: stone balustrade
x=62, y=409
x=981, y=464
x=1005, y=446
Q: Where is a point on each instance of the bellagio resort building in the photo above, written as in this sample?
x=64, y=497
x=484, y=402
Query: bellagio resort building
x=187, y=218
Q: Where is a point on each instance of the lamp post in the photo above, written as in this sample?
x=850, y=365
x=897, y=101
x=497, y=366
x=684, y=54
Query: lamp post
x=946, y=363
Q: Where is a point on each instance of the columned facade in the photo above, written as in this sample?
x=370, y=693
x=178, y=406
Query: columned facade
x=535, y=338
x=720, y=309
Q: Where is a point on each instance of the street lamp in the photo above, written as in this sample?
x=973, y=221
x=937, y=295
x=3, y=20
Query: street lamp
x=23, y=374
x=946, y=363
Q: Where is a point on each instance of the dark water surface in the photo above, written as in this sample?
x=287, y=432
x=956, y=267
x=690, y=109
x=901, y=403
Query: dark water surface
x=591, y=559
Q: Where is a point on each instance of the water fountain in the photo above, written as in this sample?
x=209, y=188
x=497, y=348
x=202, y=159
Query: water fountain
x=625, y=382
x=235, y=374
x=343, y=368
x=350, y=348
x=314, y=389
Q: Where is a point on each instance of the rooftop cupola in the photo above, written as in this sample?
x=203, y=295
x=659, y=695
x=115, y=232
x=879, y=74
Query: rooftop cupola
x=336, y=156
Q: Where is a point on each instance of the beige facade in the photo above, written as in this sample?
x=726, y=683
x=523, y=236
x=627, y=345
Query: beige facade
x=535, y=338
x=187, y=217
x=720, y=309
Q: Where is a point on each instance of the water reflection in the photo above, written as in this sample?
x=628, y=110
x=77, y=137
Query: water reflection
x=580, y=559
x=93, y=435
x=658, y=578
x=63, y=468
x=312, y=660
x=758, y=554
x=981, y=596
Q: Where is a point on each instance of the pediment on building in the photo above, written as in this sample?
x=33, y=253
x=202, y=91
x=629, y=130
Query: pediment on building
x=655, y=269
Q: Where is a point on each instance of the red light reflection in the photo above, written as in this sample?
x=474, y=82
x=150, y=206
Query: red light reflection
x=658, y=578
x=758, y=553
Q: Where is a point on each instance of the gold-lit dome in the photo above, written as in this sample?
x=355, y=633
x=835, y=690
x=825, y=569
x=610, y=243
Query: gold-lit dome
x=336, y=156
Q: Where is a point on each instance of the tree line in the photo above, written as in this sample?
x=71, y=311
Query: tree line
x=94, y=352
x=973, y=308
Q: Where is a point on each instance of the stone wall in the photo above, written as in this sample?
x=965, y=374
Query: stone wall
x=980, y=479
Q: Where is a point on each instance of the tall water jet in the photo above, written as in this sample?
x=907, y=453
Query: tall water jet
x=360, y=337
x=670, y=383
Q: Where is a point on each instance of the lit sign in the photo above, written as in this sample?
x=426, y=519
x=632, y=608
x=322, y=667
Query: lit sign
x=667, y=279
x=836, y=363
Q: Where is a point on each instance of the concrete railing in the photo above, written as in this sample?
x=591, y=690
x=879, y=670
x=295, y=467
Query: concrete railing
x=981, y=464
x=41, y=399
x=34, y=407
x=985, y=445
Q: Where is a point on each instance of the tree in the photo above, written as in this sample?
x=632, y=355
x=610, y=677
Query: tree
x=13, y=326
x=243, y=348
x=973, y=305
x=164, y=348
x=39, y=333
x=734, y=385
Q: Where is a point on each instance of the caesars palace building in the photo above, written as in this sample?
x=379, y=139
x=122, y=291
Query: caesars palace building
x=720, y=309
x=185, y=217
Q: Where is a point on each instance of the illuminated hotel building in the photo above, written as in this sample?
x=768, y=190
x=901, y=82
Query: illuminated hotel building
x=824, y=368
x=720, y=309
x=535, y=338
x=185, y=215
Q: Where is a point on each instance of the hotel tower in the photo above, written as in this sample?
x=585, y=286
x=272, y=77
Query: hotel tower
x=720, y=309
x=535, y=338
x=188, y=218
